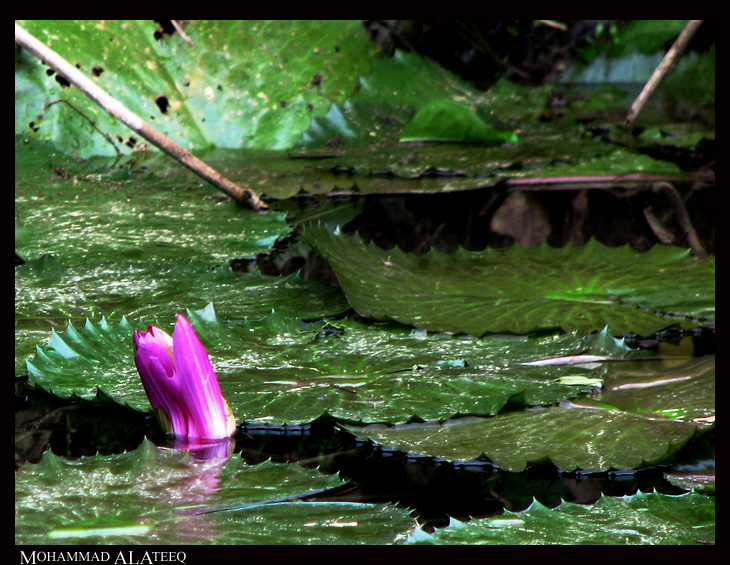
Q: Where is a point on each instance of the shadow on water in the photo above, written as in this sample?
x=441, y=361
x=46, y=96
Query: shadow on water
x=434, y=489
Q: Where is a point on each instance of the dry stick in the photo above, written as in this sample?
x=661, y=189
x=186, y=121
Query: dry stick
x=667, y=64
x=183, y=35
x=572, y=182
x=683, y=217
x=243, y=196
x=87, y=118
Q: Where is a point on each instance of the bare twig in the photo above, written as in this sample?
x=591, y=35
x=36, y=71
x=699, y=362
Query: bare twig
x=683, y=218
x=243, y=196
x=92, y=122
x=553, y=24
x=663, y=233
x=667, y=64
x=588, y=181
x=183, y=35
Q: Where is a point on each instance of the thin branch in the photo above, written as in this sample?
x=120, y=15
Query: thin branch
x=183, y=35
x=92, y=122
x=113, y=107
x=553, y=24
x=667, y=64
x=683, y=217
x=588, y=181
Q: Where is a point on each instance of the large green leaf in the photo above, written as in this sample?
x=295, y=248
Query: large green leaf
x=521, y=290
x=278, y=370
x=370, y=123
x=364, y=106
x=155, y=290
x=642, y=519
x=588, y=439
x=89, y=213
x=95, y=246
x=381, y=373
x=79, y=362
x=385, y=102
x=160, y=497
x=243, y=83
x=638, y=421
x=444, y=120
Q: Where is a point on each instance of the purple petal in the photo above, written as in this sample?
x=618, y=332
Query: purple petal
x=198, y=384
x=157, y=372
x=156, y=343
x=180, y=383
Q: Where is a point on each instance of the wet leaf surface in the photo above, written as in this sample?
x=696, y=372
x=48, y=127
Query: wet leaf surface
x=153, y=496
x=519, y=290
x=278, y=370
x=633, y=520
x=626, y=425
x=588, y=439
x=444, y=120
x=225, y=91
x=299, y=110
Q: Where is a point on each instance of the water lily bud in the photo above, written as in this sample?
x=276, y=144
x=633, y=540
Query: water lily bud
x=180, y=383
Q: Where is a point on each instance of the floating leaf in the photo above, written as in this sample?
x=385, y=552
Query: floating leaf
x=444, y=120
x=519, y=290
x=244, y=83
x=280, y=370
x=681, y=390
x=642, y=519
x=642, y=428
x=592, y=440
x=79, y=362
x=146, y=250
x=158, y=496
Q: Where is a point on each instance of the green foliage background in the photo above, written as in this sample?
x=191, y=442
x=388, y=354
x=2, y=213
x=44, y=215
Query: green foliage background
x=116, y=237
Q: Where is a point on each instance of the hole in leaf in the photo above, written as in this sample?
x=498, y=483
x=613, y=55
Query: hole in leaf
x=162, y=103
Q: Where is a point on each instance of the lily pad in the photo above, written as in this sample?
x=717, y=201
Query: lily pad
x=589, y=435
x=79, y=362
x=678, y=390
x=280, y=370
x=642, y=519
x=568, y=438
x=243, y=83
x=521, y=290
x=161, y=497
x=156, y=247
x=444, y=120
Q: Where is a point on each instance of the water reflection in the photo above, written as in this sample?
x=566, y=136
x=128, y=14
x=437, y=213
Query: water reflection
x=200, y=449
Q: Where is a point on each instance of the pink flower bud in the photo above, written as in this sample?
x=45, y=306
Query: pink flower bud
x=180, y=383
